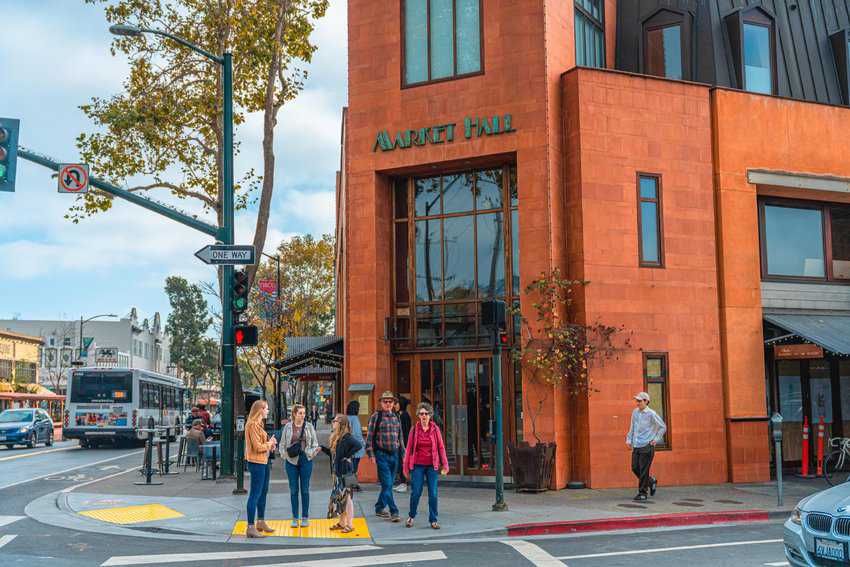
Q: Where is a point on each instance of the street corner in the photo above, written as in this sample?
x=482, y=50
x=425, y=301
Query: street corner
x=318, y=529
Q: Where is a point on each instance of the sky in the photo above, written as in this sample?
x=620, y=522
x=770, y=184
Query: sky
x=54, y=56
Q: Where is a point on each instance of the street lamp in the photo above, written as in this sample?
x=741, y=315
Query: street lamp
x=225, y=233
x=80, y=353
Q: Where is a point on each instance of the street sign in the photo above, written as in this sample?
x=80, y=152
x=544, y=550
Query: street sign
x=87, y=341
x=73, y=178
x=230, y=255
x=267, y=286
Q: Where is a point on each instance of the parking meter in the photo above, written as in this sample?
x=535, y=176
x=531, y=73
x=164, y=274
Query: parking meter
x=240, y=424
x=776, y=423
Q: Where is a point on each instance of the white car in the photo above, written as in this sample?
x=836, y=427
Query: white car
x=818, y=532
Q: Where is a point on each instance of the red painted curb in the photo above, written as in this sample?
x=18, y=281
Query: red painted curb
x=637, y=522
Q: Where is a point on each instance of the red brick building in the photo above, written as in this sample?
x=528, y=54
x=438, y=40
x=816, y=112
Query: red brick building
x=685, y=168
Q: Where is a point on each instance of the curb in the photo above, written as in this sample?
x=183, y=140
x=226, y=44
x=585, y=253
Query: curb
x=639, y=522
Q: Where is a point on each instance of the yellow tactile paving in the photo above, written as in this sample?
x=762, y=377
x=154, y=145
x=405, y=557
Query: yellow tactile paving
x=133, y=514
x=316, y=529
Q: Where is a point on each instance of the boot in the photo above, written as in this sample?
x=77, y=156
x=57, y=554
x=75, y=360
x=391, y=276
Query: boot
x=252, y=532
x=262, y=526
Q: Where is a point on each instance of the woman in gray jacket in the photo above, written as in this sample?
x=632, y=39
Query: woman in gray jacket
x=299, y=437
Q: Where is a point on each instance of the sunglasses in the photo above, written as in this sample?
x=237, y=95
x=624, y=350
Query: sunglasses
x=424, y=413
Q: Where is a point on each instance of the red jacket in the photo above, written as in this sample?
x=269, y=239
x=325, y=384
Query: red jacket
x=439, y=452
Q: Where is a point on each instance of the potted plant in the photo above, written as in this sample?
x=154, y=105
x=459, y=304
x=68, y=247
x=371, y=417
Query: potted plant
x=557, y=352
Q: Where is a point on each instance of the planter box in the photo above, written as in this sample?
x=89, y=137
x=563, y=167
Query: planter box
x=532, y=466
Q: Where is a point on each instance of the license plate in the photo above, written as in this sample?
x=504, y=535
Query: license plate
x=829, y=549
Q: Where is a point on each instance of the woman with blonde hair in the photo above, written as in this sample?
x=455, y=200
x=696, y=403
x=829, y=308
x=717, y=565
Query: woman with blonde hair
x=301, y=445
x=257, y=448
x=343, y=448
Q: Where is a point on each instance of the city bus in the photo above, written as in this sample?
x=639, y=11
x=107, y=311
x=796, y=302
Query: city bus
x=110, y=404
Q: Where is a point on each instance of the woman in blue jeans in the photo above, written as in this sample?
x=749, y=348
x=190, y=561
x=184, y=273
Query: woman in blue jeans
x=424, y=457
x=299, y=437
x=257, y=448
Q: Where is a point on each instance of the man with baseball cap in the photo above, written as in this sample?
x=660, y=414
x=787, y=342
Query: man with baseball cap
x=646, y=430
x=383, y=443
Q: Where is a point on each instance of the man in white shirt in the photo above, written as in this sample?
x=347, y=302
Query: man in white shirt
x=647, y=429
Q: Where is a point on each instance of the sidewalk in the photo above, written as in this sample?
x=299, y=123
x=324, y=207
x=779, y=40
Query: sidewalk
x=185, y=507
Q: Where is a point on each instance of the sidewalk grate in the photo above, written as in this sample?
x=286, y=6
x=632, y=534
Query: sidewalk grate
x=316, y=529
x=133, y=514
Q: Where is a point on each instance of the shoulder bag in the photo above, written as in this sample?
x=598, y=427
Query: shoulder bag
x=295, y=449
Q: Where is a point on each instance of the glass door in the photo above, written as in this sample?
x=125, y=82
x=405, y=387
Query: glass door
x=791, y=407
x=437, y=385
x=478, y=394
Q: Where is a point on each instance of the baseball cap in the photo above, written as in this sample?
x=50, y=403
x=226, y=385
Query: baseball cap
x=642, y=396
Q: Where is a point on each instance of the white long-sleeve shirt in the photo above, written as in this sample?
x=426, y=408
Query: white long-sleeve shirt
x=646, y=426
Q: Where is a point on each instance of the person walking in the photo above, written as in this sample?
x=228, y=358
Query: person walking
x=352, y=411
x=257, y=448
x=425, y=455
x=646, y=430
x=344, y=445
x=302, y=444
x=383, y=439
x=400, y=408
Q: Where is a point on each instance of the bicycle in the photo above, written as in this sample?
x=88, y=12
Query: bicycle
x=836, y=466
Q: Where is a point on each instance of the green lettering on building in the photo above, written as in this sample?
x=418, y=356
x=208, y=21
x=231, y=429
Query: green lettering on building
x=473, y=127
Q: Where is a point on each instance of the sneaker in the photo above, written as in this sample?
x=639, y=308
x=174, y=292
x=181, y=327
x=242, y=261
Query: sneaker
x=400, y=488
x=305, y=522
x=653, y=486
x=293, y=523
x=640, y=497
x=382, y=514
x=395, y=518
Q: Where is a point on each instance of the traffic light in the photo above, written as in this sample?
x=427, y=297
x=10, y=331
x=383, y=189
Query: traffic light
x=493, y=314
x=8, y=152
x=240, y=291
x=245, y=335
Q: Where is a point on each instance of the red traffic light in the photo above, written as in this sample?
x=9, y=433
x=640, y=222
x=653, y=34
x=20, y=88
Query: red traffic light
x=503, y=337
x=245, y=335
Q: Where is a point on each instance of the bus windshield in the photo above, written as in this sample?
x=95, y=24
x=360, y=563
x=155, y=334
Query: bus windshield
x=113, y=387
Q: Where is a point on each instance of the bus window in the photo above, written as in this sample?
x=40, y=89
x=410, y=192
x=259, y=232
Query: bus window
x=88, y=387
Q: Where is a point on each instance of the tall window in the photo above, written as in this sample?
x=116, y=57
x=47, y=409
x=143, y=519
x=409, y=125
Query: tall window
x=801, y=240
x=455, y=244
x=655, y=383
x=442, y=39
x=666, y=37
x=650, y=235
x=758, y=52
x=590, y=33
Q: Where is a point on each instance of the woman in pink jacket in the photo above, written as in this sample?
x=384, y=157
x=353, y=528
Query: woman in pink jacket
x=424, y=456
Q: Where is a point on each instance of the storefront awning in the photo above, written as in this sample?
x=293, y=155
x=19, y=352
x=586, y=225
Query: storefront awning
x=832, y=332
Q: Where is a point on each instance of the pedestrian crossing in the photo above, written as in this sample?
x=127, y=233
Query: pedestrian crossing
x=6, y=539
x=342, y=556
x=6, y=520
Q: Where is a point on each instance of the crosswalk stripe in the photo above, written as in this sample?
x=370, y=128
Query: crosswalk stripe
x=6, y=520
x=778, y=564
x=534, y=553
x=366, y=561
x=6, y=539
x=222, y=555
x=667, y=549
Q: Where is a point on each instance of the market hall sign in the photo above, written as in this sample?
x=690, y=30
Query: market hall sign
x=444, y=133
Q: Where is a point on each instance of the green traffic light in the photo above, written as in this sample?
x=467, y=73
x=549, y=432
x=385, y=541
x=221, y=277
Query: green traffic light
x=240, y=303
x=2, y=172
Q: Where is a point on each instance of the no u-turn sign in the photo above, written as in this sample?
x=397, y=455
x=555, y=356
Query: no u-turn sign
x=73, y=178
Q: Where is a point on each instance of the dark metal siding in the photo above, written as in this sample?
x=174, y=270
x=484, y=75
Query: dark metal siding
x=805, y=64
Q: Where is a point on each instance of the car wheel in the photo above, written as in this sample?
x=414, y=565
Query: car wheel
x=32, y=441
x=84, y=444
x=49, y=442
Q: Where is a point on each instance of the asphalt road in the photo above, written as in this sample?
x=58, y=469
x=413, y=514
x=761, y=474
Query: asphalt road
x=28, y=474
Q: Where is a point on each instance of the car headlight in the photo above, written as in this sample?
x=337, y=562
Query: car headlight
x=25, y=428
x=797, y=516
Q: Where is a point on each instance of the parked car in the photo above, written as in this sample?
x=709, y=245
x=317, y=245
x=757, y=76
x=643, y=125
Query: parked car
x=818, y=531
x=25, y=426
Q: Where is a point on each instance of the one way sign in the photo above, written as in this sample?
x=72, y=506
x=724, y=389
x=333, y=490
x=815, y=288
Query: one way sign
x=224, y=254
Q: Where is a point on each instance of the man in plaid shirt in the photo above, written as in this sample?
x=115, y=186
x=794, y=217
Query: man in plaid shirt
x=383, y=442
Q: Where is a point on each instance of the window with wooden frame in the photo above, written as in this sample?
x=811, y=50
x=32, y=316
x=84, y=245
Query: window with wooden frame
x=804, y=240
x=656, y=384
x=666, y=41
x=590, y=33
x=752, y=37
x=650, y=226
x=441, y=40
x=455, y=244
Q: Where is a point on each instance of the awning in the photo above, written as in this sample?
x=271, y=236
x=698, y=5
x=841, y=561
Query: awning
x=832, y=332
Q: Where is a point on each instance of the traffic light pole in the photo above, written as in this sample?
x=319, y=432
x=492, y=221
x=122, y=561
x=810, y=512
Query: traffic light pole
x=500, y=504
x=228, y=351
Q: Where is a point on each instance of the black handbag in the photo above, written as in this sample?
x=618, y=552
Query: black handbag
x=295, y=449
